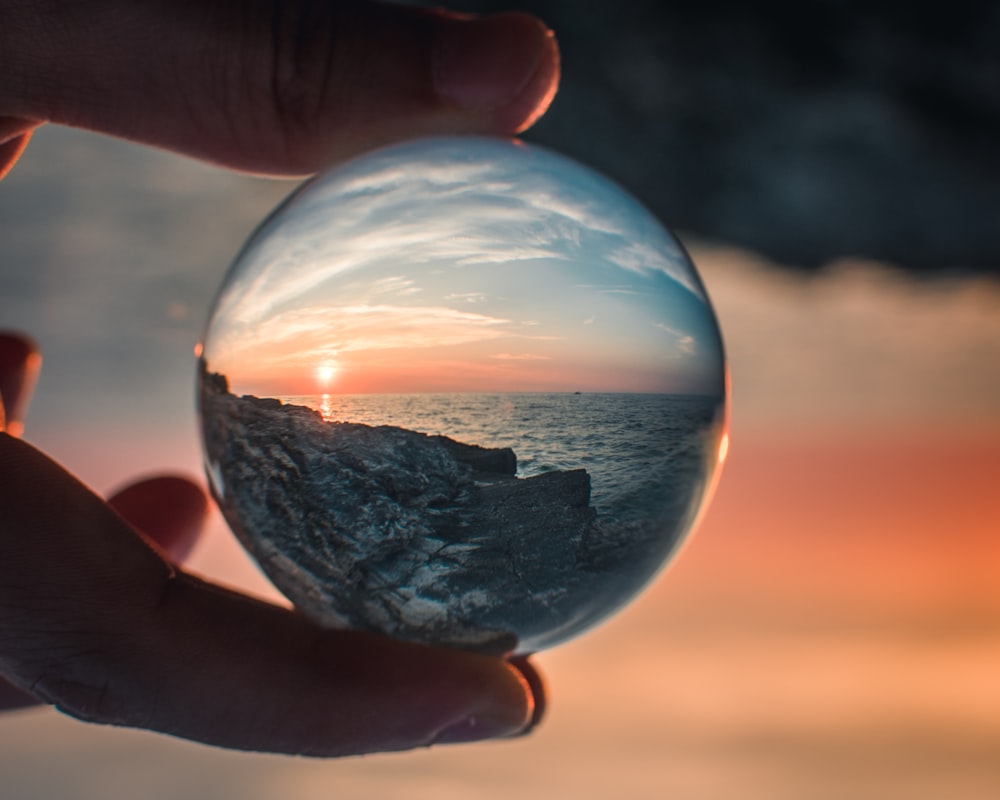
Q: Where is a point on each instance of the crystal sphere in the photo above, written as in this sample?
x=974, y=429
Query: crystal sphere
x=462, y=391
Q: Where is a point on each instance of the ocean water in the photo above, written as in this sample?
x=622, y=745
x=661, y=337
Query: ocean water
x=364, y=523
x=647, y=454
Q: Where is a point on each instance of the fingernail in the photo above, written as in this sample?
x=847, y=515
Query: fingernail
x=478, y=728
x=539, y=694
x=502, y=715
x=484, y=63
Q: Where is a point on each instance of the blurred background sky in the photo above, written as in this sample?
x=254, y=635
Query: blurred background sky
x=831, y=631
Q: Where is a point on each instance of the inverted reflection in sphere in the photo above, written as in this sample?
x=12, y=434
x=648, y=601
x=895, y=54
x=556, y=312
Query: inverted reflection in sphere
x=462, y=392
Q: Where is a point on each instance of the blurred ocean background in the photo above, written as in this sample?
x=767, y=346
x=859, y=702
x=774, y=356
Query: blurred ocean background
x=832, y=630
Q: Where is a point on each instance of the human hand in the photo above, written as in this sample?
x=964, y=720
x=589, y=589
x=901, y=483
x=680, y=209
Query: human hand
x=267, y=87
x=99, y=621
x=96, y=618
x=170, y=511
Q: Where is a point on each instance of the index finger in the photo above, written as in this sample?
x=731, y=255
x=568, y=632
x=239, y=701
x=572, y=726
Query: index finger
x=277, y=88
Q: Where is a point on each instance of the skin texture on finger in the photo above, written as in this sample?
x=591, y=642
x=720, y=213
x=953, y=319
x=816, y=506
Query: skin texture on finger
x=169, y=510
x=269, y=86
x=20, y=364
x=12, y=698
x=94, y=621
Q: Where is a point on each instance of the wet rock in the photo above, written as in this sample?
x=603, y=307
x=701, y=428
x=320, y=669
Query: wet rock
x=391, y=530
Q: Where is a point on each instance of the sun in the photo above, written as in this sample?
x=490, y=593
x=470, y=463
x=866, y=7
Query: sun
x=325, y=373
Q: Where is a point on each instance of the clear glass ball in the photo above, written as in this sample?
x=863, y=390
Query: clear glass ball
x=464, y=392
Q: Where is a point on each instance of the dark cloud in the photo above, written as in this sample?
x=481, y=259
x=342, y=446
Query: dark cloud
x=807, y=131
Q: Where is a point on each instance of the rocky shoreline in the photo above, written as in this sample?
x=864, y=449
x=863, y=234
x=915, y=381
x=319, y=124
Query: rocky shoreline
x=417, y=536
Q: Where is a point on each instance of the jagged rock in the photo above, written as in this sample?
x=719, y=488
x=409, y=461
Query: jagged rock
x=391, y=530
x=500, y=460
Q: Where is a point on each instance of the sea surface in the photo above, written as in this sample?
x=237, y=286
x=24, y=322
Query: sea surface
x=647, y=454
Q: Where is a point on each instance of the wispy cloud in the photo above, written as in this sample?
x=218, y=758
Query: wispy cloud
x=396, y=253
x=682, y=342
x=449, y=209
x=521, y=357
x=468, y=297
x=394, y=286
x=647, y=259
x=300, y=338
x=669, y=329
x=609, y=289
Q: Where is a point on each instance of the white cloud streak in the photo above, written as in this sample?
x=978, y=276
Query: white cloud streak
x=521, y=357
x=452, y=211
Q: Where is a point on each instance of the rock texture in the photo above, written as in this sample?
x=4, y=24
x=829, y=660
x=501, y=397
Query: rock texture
x=420, y=537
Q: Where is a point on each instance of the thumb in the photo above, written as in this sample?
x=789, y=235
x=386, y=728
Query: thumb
x=281, y=87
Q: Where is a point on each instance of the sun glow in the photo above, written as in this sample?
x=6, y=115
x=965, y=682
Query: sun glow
x=723, y=448
x=325, y=373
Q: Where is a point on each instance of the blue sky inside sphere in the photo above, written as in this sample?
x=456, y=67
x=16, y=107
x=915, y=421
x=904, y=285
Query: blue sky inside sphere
x=465, y=264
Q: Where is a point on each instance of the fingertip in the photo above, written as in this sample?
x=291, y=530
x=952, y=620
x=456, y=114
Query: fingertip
x=170, y=510
x=427, y=696
x=539, y=693
x=540, y=90
x=20, y=364
x=504, y=66
x=430, y=72
x=503, y=708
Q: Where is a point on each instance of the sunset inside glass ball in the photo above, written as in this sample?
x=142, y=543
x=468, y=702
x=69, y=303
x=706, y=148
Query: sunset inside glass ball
x=464, y=392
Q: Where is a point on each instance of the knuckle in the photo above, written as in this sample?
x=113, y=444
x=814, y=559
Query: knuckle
x=304, y=51
x=268, y=77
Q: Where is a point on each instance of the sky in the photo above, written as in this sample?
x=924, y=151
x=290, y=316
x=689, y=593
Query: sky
x=472, y=265
x=831, y=630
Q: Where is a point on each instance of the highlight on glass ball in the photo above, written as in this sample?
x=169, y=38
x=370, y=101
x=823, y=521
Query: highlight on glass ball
x=463, y=392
